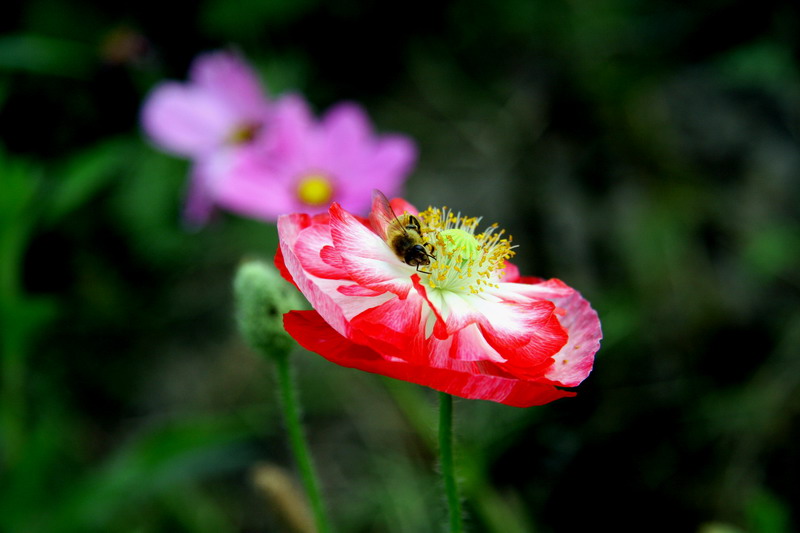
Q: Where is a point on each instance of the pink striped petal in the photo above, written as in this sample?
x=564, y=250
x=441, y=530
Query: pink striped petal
x=575, y=359
x=290, y=228
x=368, y=259
x=314, y=334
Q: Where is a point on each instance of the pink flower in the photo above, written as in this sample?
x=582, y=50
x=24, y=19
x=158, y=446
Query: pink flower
x=261, y=158
x=460, y=320
x=215, y=115
x=221, y=104
x=306, y=164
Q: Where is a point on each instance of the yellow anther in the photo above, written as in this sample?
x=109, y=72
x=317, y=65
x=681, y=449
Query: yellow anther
x=466, y=261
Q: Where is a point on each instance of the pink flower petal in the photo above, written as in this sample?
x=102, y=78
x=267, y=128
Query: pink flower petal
x=510, y=273
x=575, y=359
x=314, y=334
x=337, y=307
x=293, y=130
x=349, y=134
x=199, y=202
x=357, y=290
x=246, y=186
x=309, y=251
x=233, y=81
x=289, y=229
x=366, y=256
x=392, y=160
x=467, y=344
x=186, y=121
x=527, y=334
x=400, y=206
x=391, y=327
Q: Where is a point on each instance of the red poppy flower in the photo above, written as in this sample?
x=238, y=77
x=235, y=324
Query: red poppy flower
x=453, y=314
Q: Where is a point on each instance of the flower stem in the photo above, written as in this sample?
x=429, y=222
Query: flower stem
x=297, y=441
x=446, y=454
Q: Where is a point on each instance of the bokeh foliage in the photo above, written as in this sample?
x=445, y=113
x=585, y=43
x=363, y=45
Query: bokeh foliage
x=644, y=152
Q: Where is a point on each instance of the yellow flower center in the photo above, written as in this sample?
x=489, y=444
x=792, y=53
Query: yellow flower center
x=466, y=261
x=315, y=189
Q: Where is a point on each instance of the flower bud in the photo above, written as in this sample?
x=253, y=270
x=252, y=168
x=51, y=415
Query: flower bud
x=262, y=297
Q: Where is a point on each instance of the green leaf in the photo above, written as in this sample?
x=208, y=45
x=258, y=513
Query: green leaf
x=45, y=55
x=19, y=185
x=768, y=514
x=159, y=460
x=19, y=181
x=763, y=63
x=772, y=249
x=85, y=174
x=247, y=18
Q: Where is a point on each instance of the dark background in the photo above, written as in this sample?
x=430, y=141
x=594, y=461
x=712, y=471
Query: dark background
x=645, y=153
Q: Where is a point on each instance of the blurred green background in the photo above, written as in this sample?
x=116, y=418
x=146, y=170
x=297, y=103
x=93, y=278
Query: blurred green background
x=645, y=153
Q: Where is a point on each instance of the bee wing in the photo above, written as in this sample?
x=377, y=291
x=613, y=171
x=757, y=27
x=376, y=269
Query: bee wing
x=382, y=215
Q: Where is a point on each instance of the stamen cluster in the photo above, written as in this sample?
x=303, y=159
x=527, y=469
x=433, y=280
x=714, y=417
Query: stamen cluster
x=465, y=261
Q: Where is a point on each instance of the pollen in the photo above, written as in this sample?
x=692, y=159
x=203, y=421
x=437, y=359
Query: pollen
x=315, y=189
x=467, y=262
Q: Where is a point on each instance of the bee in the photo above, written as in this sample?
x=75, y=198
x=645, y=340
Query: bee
x=403, y=234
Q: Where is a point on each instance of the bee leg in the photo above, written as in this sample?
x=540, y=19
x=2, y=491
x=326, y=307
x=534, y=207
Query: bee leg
x=430, y=254
x=422, y=271
x=413, y=224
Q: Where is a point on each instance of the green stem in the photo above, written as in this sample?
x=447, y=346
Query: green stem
x=297, y=441
x=446, y=454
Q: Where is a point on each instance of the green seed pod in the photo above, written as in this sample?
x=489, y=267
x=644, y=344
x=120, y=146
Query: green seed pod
x=262, y=297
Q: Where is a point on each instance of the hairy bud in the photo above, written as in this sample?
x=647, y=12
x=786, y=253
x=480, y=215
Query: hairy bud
x=262, y=297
